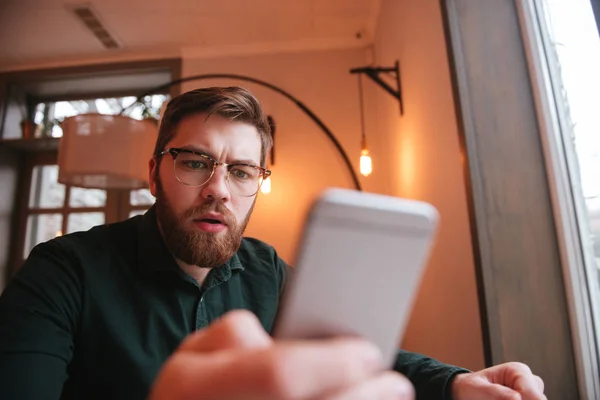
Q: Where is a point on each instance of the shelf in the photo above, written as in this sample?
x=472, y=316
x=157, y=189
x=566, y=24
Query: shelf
x=31, y=145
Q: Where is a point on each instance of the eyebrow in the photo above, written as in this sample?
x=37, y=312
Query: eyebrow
x=208, y=153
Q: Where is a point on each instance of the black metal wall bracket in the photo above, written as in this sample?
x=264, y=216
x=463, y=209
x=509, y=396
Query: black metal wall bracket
x=375, y=72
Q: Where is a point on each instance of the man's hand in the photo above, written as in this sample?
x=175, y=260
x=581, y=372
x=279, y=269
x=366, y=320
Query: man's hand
x=234, y=358
x=510, y=381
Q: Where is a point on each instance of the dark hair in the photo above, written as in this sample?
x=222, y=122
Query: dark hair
x=232, y=103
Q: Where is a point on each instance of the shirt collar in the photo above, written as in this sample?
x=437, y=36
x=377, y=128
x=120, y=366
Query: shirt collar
x=153, y=254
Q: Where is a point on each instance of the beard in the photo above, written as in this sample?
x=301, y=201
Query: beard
x=203, y=249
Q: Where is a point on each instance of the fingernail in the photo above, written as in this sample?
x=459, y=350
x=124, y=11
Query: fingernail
x=373, y=356
x=405, y=390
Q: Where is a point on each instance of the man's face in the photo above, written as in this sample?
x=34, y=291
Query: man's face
x=186, y=214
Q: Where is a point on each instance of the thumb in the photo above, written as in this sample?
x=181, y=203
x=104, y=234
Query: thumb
x=493, y=391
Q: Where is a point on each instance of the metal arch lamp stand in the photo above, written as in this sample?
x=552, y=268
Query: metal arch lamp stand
x=298, y=103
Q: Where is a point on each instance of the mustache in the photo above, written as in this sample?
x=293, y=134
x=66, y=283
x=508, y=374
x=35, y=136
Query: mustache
x=213, y=206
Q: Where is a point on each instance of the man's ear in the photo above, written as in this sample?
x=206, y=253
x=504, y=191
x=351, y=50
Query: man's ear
x=152, y=175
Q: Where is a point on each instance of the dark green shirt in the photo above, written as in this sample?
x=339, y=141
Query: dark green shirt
x=95, y=314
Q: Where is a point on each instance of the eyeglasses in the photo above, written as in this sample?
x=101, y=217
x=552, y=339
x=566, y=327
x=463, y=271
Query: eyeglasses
x=195, y=169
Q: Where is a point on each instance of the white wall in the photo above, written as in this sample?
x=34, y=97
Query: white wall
x=426, y=163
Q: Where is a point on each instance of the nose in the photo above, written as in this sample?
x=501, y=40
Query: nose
x=217, y=188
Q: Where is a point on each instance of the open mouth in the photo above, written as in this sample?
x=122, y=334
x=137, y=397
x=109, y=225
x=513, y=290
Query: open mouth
x=211, y=221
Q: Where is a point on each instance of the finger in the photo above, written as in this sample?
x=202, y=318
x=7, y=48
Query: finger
x=387, y=385
x=285, y=371
x=518, y=377
x=481, y=389
x=238, y=329
x=299, y=370
x=530, y=386
x=540, y=383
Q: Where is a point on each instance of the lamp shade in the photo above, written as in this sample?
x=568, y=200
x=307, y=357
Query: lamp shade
x=105, y=151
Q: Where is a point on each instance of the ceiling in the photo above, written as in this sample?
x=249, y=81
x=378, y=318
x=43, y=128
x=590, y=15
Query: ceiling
x=40, y=32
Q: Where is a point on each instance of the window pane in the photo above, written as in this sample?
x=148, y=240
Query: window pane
x=38, y=118
x=58, y=111
x=133, y=213
x=572, y=48
x=149, y=107
x=141, y=197
x=41, y=228
x=576, y=57
x=593, y=204
x=80, y=197
x=63, y=109
x=83, y=221
x=45, y=190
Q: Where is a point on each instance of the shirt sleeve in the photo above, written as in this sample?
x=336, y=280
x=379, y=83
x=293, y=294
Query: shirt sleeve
x=284, y=273
x=39, y=310
x=431, y=378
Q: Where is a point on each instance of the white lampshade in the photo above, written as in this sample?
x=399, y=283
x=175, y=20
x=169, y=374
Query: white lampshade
x=105, y=151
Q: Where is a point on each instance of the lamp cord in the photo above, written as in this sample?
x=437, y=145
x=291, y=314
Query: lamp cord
x=362, y=113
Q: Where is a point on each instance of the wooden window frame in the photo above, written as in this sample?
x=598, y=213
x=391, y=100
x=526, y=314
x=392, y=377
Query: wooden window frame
x=521, y=288
x=117, y=207
x=118, y=204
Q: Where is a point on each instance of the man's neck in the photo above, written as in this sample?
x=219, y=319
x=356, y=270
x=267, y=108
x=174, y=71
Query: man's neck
x=199, y=274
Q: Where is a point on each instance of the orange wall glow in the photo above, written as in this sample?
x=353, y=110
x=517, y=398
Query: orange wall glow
x=406, y=164
x=306, y=162
x=423, y=146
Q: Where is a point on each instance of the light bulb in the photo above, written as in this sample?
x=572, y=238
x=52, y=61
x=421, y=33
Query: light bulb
x=58, y=233
x=366, y=165
x=266, y=186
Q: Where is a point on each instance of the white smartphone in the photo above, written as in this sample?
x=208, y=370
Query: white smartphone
x=358, y=268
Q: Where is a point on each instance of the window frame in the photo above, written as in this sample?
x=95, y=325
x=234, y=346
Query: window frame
x=570, y=211
x=117, y=207
x=521, y=288
x=44, y=151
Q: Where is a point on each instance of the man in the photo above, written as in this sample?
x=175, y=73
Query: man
x=146, y=307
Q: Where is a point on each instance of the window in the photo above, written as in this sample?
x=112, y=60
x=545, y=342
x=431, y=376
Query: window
x=55, y=209
x=139, y=202
x=565, y=59
x=573, y=38
x=48, y=115
x=52, y=209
